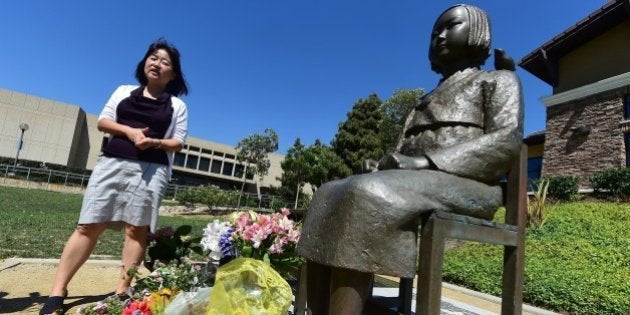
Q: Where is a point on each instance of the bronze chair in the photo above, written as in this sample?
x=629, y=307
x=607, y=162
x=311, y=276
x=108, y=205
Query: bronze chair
x=438, y=226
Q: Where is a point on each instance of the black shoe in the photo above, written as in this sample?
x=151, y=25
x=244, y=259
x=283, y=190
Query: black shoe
x=54, y=305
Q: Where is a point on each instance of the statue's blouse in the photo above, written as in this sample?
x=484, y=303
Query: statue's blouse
x=468, y=125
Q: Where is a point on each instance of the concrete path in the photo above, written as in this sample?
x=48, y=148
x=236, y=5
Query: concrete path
x=25, y=284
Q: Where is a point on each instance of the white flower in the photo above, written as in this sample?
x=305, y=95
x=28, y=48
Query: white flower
x=211, y=236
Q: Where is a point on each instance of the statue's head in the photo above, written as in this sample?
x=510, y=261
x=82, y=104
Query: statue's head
x=461, y=35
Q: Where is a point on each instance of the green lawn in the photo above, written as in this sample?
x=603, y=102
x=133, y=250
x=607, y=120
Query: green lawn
x=37, y=223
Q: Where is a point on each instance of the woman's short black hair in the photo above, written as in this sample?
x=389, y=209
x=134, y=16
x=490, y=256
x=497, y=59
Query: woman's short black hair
x=178, y=85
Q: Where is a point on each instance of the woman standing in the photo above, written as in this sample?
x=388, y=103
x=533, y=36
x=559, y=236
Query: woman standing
x=147, y=124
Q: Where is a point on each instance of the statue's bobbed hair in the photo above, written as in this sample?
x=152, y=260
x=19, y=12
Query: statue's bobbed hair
x=479, y=35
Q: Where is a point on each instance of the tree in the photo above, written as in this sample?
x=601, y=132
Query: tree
x=358, y=137
x=395, y=110
x=294, y=169
x=324, y=165
x=315, y=164
x=253, y=152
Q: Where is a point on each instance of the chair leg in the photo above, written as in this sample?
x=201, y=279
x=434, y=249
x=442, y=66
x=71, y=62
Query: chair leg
x=300, y=298
x=513, y=269
x=430, y=273
x=318, y=279
x=405, y=296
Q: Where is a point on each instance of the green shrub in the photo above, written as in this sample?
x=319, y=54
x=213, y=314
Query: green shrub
x=208, y=195
x=563, y=188
x=576, y=263
x=213, y=196
x=614, y=182
x=277, y=203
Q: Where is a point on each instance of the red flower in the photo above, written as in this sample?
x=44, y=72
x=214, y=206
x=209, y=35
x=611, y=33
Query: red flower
x=137, y=308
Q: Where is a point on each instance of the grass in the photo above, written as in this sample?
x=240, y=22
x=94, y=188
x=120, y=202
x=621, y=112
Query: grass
x=576, y=263
x=37, y=223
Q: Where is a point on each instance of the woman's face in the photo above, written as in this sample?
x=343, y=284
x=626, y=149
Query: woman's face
x=449, y=39
x=158, y=68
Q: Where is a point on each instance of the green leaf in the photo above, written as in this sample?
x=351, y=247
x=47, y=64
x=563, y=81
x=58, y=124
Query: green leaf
x=266, y=259
x=246, y=251
x=183, y=230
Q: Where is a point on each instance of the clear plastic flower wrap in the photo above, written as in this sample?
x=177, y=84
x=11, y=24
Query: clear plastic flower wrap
x=187, y=303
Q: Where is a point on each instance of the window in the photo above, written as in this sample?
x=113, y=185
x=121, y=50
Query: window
x=249, y=174
x=206, y=151
x=534, y=168
x=217, y=153
x=238, y=170
x=626, y=108
x=179, y=159
x=627, y=141
x=193, y=149
x=191, y=162
x=227, y=168
x=204, y=164
x=229, y=156
x=216, y=167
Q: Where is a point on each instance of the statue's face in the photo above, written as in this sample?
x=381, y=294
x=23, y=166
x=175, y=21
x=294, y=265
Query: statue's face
x=449, y=39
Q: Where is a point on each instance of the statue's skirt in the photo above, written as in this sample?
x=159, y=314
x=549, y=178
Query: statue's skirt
x=369, y=222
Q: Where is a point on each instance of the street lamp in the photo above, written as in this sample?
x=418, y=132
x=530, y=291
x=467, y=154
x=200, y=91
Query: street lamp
x=23, y=127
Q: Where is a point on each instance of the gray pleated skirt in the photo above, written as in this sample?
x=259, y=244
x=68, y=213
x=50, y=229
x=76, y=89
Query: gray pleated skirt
x=124, y=191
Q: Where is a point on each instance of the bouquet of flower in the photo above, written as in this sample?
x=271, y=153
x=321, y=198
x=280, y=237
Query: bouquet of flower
x=184, y=276
x=271, y=238
x=167, y=245
x=152, y=293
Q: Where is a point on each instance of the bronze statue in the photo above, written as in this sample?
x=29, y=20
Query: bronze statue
x=455, y=146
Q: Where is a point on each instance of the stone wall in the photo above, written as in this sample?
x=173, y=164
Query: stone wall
x=570, y=154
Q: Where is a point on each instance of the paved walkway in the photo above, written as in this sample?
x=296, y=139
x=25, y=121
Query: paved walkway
x=461, y=301
x=25, y=283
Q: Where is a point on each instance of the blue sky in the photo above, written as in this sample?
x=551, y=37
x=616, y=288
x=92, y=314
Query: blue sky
x=296, y=66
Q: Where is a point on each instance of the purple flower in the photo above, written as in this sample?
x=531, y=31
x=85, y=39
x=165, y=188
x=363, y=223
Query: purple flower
x=227, y=244
x=166, y=232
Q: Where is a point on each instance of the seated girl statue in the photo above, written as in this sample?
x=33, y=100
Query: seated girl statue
x=455, y=146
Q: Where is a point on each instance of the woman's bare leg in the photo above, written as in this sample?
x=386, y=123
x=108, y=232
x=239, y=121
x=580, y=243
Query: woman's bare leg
x=350, y=290
x=133, y=253
x=76, y=251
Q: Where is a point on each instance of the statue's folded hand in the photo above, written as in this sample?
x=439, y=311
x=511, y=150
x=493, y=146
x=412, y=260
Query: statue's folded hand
x=400, y=161
x=369, y=166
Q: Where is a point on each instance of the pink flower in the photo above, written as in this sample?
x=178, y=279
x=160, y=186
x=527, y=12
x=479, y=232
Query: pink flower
x=285, y=224
x=256, y=233
x=242, y=221
x=265, y=220
x=276, y=247
x=294, y=235
x=285, y=212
